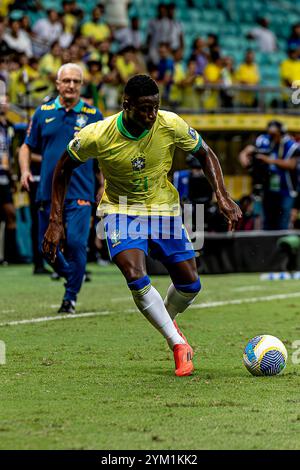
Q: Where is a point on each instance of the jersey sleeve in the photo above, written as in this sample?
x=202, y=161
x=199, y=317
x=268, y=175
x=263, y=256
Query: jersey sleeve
x=186, y=138
x=84, y=146
x=33, y=136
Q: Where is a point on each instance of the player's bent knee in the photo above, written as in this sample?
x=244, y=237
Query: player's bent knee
x=132, y=273
x=191, y=288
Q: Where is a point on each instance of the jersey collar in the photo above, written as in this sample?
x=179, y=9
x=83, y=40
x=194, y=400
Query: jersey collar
x=76, y=108
x=124, y=131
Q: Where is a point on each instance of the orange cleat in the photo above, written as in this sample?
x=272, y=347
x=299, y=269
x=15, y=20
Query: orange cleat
x=183, y=360
x=183, y=337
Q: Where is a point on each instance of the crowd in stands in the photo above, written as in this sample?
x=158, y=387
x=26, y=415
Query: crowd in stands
x=110, y=47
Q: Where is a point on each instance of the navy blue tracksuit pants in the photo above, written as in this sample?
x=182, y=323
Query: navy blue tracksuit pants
x=72, y=262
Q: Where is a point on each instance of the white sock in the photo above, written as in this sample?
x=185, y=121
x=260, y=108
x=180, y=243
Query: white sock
x=151, y=305
x=177, y=301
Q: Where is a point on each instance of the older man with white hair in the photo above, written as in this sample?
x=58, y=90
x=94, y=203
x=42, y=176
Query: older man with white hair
x=52, y=127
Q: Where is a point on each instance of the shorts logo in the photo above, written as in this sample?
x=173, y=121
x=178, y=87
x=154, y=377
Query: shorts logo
x=138, y=162
x=115, y=238
x=193, y=133
x=81, y=120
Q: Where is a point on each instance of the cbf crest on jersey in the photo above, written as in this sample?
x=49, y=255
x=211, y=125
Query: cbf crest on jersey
x=81, y=120
x=193, y=133
x=138, y=162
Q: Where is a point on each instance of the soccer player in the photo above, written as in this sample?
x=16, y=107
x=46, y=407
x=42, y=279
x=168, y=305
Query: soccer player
x=53, y=125
x=135, y=150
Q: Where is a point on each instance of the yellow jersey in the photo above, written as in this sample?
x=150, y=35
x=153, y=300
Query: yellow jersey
x=136, y=168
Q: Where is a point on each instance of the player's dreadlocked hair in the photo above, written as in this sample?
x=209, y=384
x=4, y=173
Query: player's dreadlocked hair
x=141, y=85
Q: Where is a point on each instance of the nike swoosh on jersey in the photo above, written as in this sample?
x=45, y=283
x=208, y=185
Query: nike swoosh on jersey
x=49, y=120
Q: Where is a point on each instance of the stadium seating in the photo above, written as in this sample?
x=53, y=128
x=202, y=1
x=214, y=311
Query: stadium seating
x=231, y=20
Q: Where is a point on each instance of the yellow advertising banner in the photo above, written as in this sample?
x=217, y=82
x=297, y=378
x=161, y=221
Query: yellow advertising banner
x=239, y=122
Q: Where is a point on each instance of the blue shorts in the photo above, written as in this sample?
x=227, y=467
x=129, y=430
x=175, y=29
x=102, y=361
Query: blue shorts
x=164, y=238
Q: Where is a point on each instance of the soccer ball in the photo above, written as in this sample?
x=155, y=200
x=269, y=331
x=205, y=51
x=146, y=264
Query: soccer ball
x=265, y=355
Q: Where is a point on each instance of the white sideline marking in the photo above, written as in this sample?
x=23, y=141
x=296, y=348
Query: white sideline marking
x=248, y=288
x=220, y=303
x=266, y=298
x=57, y=317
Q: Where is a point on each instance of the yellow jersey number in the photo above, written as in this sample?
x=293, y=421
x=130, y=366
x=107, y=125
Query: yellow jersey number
x=140, y=184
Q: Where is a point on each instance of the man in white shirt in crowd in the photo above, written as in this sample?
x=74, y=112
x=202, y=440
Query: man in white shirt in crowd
x=48, y=30
x=265, y=38
x=16, y=38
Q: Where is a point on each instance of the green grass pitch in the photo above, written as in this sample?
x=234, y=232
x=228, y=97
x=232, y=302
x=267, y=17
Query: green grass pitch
x=107, y=381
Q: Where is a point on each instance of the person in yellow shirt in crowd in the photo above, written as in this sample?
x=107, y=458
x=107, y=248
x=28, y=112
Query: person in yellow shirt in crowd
x=96, y=29
x=51, y=62
x=247, y=74
x=212, y=75
x=70, y=19
x=27, y=76
x=127, y=64
x=192, y=98
x=176, y=90
x=290, y=68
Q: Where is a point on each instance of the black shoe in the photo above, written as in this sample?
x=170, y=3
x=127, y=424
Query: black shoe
x=41, y=270
x=67, y=306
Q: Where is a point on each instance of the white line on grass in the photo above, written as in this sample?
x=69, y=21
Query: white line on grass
x=266, y=298
x=248, y=288
x=220, y=303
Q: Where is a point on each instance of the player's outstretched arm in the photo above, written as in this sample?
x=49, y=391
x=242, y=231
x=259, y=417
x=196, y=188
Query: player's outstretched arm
x=213, y=172
x=55, y=231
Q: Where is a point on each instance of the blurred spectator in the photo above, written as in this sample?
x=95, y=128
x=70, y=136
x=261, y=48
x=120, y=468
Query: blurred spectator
x=7, y=209
x=4, y=47
x=165, y=69
x=212, y=43
x=290, y=68
x=76, y=54
x=158, y=32
x=294, y=39
x=50, y=63
x=212, y=75
x=111, y=81
x=116, y=13
x=247, y=74
x=96, y=29
x=176, y=90
x=199, y=54
x=93, y=87
x=48, y=30
x=129, y=36
x=191, y=97
x=227, y=75
x=25, y=24
x=69, y=18
x=265, y=38
x=4, y=73
x=126, y=64
x=105, y=55
x=193, y=187
x=16, y=38
x=276, y=185
x=26, y=83
x=249, y=218
x=175, y=39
